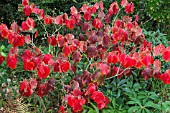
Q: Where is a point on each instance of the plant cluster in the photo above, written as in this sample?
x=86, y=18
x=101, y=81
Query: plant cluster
x=111, y=47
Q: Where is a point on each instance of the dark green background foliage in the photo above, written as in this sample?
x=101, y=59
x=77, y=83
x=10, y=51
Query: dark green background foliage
x=153, y=14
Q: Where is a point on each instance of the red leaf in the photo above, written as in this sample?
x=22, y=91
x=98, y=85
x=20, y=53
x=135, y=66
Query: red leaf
x=98, y=97
x=24, y=26
x=27, y=10
x=129, y=8
x=124, y=3
x=4, y=33
x=157, y=66
x=28, y=65
x=47, y=20
x=97, y=23
x=113, y=8
x=166, y=55
x=25, y=2
x=74, y=11
x=104, y=69
x=66, y=50
x=56, y=67
x=112, y=59
x=2, y=58
x=47, y=58
x=43, y=71
x=30, y=23
x=65, y=66
x=101, y=5
x=76, y=57
x=147, y=60
x=166, y=77
x=11, y=61
x=70, y=23
x=14, y=27
x=158, y=50
x=147, y=73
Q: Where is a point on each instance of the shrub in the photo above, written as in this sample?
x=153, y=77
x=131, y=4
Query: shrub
x=84, y=49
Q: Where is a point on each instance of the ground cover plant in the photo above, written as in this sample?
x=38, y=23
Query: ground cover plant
x=78, y=53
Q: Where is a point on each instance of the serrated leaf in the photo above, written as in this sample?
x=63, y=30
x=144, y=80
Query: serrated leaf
x=3, y=54
x=2, y=47
x=131, y=102
x=147, y=111
x=153, y=105
x=96, y=109
x=121, y=82
x=114, y=103
x=91, y=111
x=133, y=109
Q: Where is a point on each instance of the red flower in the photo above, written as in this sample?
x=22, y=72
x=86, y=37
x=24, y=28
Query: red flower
x=43, y=71
x=166, y=77
x=113, y=8
x=97, y=23
x=47, y=19
x=2, y=58
x=129, y=8
x=27, y=10
x=65, y=66
x=12, y=61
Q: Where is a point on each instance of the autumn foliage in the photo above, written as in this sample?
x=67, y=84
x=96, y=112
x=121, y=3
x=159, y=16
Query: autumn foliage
x=112, y=46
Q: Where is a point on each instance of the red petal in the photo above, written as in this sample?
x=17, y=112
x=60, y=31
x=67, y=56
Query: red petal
x=65, y=66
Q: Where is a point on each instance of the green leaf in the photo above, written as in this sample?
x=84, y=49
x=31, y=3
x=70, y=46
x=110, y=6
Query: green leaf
x=91, y=111
x=166, y=106
x=96, y=109
x=2, y=47
x=3, y=54
x=114, y=103
x=153, y=105
x=130, y=102
x=147, y=111
x=133, y=109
